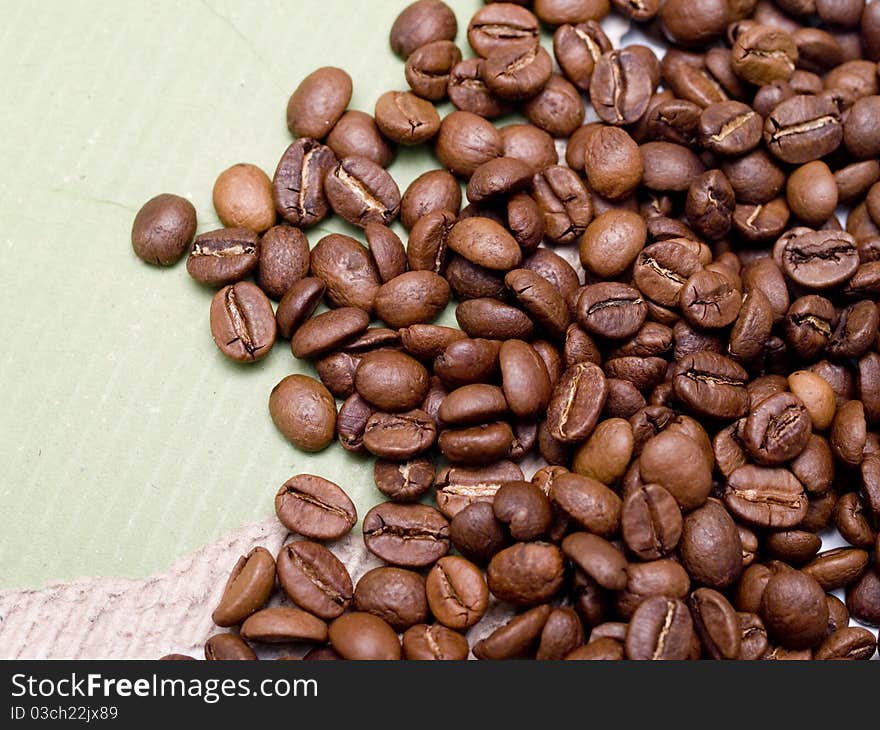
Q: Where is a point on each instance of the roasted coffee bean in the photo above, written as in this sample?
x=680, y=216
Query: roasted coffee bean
x=242, y=322
x=753, y=635
x=777, y=430
x=645, y=580
x=837, y=568
x=318, y=102
x=404, y=481
x=764, y=497
x=223, y=257
x=406, y=118
x=589, y=502
x=612, y=162
x=363, y=636
x=298, y=186
x=473, y=404
x=859, y=134
x=612, y=242
x=469, y=93
x=661, y=628
x=712, y=385
x=709, y=300
x=601, y=649
x=662, y=269
x=597, y=558
x=710, y=548
x=408, y=535
x=611, y=310
x=428, y=68
x=282, y=624
x=436, y=642
x=763, y=54
x=517, y=638
x=820, y=259
x=391, y=381
x=422, y=22
x=526, y=574
x=304, y=411
x=467, y=361
x=328, y=331
x=348, y=271
x=525, y=380
x=485, y=243
x=395, y=595
x=606, y=455
x=502, y=27
x=466, y=141
x=248, y=588
x=457, y=592
x=477, y=445
x=362, y=192
x=716, y=624
x=620, y=87
x=284, y=260
x=493, y=320
x=863, y=598
x=351, y=423
x=576, y=403
x=562, y=634
x=855, y=331
x=793, y=546
x=529, y=144
x=651, y=522
x=812, y=193
x=564, y=201
x=163, y=229
x=794, y=609
x=387, y=249
x=541, y=299
x=315, y=507
x=399, y=436
x=808, y=325
x=524, y=508
x=476, y=533
x=803, y=128
x=710, y=205
x=356, y=134
x=577, y=49
x=314, y=579
x=518, y=73
x=243, y=198
x=498, y=178
x=228, y=647
x=853, y=643
x=730, y=128
x=675, y=121
x=557, y=108
x=670, y=167
x=469, y=281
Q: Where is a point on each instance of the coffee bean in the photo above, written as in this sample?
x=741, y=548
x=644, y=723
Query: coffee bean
x=670, y=167
x=557, y=108
x=431, y=191
x=399, y=436
x=243, y=198
x=363, y=636
x=223, y=257
x=284, y=260
x=469, y=92
x=466, y=141
x=318, y=102
x=460, y=486
x=853, y=643
x=422, y=22
x=820, y=259
x=541, y=299
x=526, y=574
x=477, y=445
x=163, y=229
x=589, y=502
x=730, y=128
x=612, y=242
x=606, y=454
x=777, y=430
x=485, y=243
x=577, y=49
x=854, y=333
x=304, y=411
x=228, y=647
x=394, y=595
x=248, y=588
x=314, y=579
x=347, y=270
x=315, y=507
x=428, y=68
x=662, y=270
x=518, y=73
x=859, y=134
x=598, y=558
x=564, y=201
x=298, y=185
x=755, y=178
x=473, y=404
x=651, y=522
x=661, y=628
x=794, y=610
x=493, y=320
x=408, y=535
x=391, y=381
x=712, y=385
x=406, y=118
x=362, y=192
x=328, y=331
x=356, y=134
x=503, y=27
x=710, y=549
x=610, y=310
x=467, y=361
x=762, y=54
x=434, y=642
x=282, y=624
x=837, y=568
x=602, y=649
x=526, y=382
x=242, y=322
x=457, y=592
x=863, y=598
x=803, y=128
x=524, y=508
x=766, y=497
x=648, y=580
x=620, y=87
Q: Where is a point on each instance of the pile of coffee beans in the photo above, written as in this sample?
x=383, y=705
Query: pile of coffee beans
x=701, y=390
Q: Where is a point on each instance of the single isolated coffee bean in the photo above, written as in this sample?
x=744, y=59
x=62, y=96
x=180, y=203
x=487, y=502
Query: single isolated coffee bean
x=163, y=229
x=429, y=66
x=457, y=592
x=284, y=260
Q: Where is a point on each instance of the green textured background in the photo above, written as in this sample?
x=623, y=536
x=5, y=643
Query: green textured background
x=126, y=440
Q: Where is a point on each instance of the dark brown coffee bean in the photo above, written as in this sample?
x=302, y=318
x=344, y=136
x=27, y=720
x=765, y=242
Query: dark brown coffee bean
x=318, y=102
x=466, y=141
x=469, y=93
x=485, y=243
x=361, y=192
x=478, y=444
x=163, y=229
x=408, y=535
x=562, y=634
x=564, y=201
x=248, y=588
x=428, y=68
x=406, y=118
x=712, y=385
x=282, y=624
x=228, y=647
x=855, y=331
x=837, y=568
x=348, y=271
x=363, y=636
x=710, y=549
x=284, y=260
x=661, y=628
x=651, y=522
x=433, y=190
x=412, y=298
x=670, y=167
x=502, y=27
x=494, y=320
x=242, y=322
x=356, y=134
x=860, y=134
x=662, y=269
x=476, y=533
x=730, y=128
x=612, y=242
x=716, y=624
x=436, y=642
x=395, y=595
x=526, y=382
x=298, y=186
x=387, y=249
x=304, y=411
x=611, y=310
x=539, y=297
x=598, y=558
x=457, y=592
x=404, y=481
x=518, y=73
x=467, y=361
x=524, y=508
x=558, y=272
x=223, y=257
x=853, y=643
x=863, y=598
x=427, y=248
x=577, y=49
x=314, y=579
x=601, y=649
x=675, y=121
x=808, y=325
x=399, y=436
x=351, y=423
x=391, y=380
x=755, y=178
x=328, y=331
x=708, y=300
x=612, y=162
x=777, y=430
x=531, y=145
x=820, y=259
x=589, y=502
x=526, y=574
x=315, y=507
x=498, y=178
x=517, y=638
x=620, y=87
x=766, y=497
x=422, y=22
x=557, y=108
x=794, y=609
x=803, y=128
x=576, y=403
